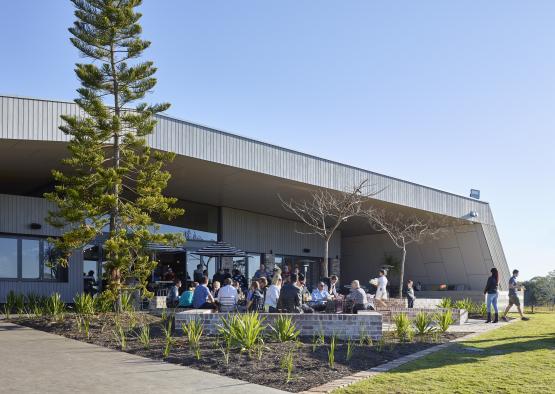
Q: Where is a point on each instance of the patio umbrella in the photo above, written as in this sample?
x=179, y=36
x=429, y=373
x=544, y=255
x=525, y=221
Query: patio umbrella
x=220, y=249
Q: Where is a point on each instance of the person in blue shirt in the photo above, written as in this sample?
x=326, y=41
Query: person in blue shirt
x=186, y=299
x=172, y=299
x=202, y=298
x=320, y=296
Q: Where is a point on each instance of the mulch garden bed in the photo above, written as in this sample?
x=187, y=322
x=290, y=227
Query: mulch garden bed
x=310, y=362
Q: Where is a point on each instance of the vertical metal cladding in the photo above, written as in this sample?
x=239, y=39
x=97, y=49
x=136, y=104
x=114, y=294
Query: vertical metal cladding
x=16, y=215
x=260, y=233
x=497, y=254
x=33, y=119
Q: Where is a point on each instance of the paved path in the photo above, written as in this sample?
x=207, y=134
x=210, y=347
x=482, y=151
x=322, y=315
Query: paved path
x=33, y=361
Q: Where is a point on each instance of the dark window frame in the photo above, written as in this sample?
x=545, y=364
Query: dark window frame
x=41, y=279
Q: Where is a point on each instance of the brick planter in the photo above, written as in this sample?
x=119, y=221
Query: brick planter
x=460, y=316
x=344, y=326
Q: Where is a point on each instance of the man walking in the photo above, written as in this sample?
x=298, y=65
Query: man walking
x=513, y=297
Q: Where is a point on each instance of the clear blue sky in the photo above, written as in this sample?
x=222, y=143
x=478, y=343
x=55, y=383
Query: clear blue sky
x=452, y=95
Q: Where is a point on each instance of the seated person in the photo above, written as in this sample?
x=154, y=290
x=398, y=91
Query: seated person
x=358, y=297
x=172, y=299
x=256, y=302
x=202, y=298
x=333, y=286
x=290, y=300
x=186, y=299
x=228, y=291
x=319, y=297
x=215, y=288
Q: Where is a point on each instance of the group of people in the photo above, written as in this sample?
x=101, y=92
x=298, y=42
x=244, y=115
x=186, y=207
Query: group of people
x=492, y=293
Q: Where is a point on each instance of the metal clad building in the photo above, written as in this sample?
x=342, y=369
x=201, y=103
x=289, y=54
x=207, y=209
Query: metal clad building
x=230, y=185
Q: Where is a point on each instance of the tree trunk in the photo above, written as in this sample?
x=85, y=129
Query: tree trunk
x=402, y=271
x=326, y=259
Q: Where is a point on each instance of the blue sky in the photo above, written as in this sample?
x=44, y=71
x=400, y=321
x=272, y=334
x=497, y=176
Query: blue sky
x=453, y=95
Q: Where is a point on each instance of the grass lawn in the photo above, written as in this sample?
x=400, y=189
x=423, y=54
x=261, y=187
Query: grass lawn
x=518, y=358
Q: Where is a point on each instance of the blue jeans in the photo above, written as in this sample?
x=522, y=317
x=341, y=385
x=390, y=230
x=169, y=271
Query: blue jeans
x=491, y=299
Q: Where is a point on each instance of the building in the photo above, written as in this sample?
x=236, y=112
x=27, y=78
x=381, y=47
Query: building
x=229, y=186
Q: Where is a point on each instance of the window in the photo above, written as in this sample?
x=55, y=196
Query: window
x=8, y=257
x=30, y=258
x=27, y=258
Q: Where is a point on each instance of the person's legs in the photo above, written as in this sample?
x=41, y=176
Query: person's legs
x=488, y=306
x=494, y=302
x=410, y=302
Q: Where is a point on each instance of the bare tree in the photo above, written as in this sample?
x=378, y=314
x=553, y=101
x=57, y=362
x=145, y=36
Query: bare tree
x=324, y=212
x=404, y=230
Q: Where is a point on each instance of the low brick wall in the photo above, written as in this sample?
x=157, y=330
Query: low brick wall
x=344, y=326
x=460, y=316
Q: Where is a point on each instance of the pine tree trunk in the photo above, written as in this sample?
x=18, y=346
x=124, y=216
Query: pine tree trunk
x=402, y=271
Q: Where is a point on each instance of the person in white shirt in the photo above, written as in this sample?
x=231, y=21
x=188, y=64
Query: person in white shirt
x=228, y=291
x=272, y=295
x=381, y=292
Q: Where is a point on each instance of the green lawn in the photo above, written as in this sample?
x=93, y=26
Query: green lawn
x=518, y=358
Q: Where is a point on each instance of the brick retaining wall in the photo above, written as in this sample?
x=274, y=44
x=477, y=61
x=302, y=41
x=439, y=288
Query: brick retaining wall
x=344, y=326
x=460, y=316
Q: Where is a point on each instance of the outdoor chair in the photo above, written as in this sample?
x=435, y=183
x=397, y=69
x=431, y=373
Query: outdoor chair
x=228, y=304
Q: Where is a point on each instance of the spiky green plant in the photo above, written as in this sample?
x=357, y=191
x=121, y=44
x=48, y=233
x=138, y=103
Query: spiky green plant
x=126, y=302
x=445, y=303
x=444, y=320
x=87, y=325
x=423, y=323
x=144, y=336
x=349, y=349
x=20, y=304
x=193, y=329
x=103, y=303
x=331, y=352
x=33, y=302
x=55, y=307
x=284, y=329
x=317, y=340
x=244, y=330
x=380, y=345
x=168, y=338
x=403, y=328
x=83, y=304
x=287, y=364
x=120, y=336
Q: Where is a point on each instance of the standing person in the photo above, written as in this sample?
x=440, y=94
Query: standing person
x=358, y=296
x=172, y=299
x=491, y=295
x=198, y=273
x=410, y=294
x=272, y=295
x=513, y=297
x=261, y=272
x=381, y=292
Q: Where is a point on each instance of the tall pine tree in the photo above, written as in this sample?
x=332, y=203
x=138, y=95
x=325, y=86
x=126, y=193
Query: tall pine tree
x=113, y=179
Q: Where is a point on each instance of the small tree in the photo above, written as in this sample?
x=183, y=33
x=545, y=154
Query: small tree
x=324, y=212
x=403, y=230
x=113, y=178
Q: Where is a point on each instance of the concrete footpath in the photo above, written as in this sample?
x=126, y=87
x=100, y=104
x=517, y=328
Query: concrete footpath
x=33, y=361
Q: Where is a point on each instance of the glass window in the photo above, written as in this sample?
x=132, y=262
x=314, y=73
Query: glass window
x=30, y=258
x=253, y=265
x=8, y=258
x=50, y=269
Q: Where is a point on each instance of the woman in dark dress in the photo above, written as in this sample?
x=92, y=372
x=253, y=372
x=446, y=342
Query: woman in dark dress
x=491, y=295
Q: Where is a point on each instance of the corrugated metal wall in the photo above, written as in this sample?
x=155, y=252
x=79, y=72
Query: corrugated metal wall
x=33, y=119
x=260, y=234
x=16, y=215
x=497, y=254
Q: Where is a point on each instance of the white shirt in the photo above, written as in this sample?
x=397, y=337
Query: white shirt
x=228, y=291
x=382, y=283
x=272, y=295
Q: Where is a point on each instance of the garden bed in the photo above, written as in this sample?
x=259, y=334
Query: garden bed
x=310, y=361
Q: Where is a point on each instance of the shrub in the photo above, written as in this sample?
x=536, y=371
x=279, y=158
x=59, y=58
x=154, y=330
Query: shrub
x=119, y=334
x=403, y=327
x=103, y=303
x=331, y=352
x=84, y=304
x=34, y=304
x=126, y=302
x=444, y=320
x=55, y=307
x=243, y=330
x=19, y=303
x=284, y=329
x=465, y=304
x=423, y=323
x=445, y=303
